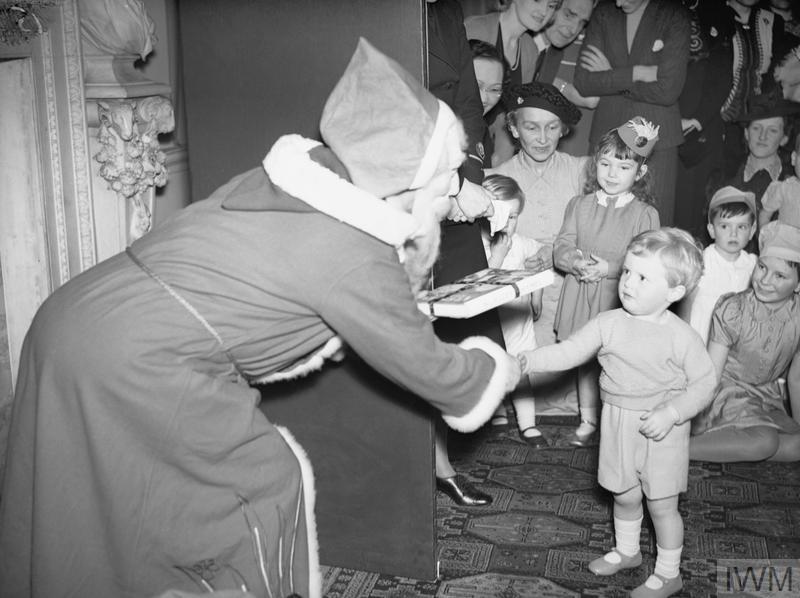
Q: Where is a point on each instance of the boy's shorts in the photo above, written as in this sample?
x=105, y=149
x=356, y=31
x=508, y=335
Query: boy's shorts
x=628, y=458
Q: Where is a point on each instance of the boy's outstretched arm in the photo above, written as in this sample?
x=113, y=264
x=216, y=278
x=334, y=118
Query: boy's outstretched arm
x=577, y=349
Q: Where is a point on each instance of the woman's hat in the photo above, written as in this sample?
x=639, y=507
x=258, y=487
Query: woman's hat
x=640, y=135
x=768, y=105
x=778, y=239
x=544, y=96
x=385, y=127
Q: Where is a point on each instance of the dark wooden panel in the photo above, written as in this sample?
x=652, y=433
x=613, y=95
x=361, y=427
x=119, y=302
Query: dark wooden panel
x=257, y=69
x=371, y=446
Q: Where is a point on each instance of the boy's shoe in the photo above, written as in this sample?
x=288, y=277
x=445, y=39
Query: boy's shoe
x=590, y=439
x=657, y=586
x=613, y=562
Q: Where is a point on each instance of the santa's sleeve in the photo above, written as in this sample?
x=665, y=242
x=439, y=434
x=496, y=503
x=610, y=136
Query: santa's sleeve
x=372, y=308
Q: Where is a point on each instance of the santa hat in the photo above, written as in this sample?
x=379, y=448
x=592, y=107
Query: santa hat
x=640, y=135
x=385, y=127
x=778, y=239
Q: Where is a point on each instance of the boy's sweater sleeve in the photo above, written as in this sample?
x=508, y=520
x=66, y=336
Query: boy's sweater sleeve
x=701, y=381
x=582, y=345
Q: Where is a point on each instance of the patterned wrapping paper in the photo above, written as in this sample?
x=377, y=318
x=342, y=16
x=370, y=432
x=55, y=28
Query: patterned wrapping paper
x=481, y=291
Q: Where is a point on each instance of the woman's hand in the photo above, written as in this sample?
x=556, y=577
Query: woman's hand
x=690, y=124
x=473, y=201
x=541, y=260
x=593, y=60
x=659, y=421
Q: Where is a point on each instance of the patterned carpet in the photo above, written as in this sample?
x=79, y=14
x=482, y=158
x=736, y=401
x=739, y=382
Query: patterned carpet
x=550, y=518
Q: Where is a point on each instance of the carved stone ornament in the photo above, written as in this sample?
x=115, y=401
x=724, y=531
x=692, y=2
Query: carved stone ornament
x=21, y=21
x=130, y=158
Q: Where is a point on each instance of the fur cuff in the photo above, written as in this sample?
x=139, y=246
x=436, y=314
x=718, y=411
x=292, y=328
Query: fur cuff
x=499, y=385
x=330, y=350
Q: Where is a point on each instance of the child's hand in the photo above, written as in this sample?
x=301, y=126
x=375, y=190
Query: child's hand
x=501, y=243
x=541, y=260
x=523, y=362
x=596, y=269
x=659, y=421
x=580, y=267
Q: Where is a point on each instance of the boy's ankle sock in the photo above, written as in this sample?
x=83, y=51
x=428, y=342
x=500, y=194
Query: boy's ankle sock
x=668, y=561
x=627, y=534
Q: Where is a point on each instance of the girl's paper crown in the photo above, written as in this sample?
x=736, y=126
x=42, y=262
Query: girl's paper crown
x=640, y=135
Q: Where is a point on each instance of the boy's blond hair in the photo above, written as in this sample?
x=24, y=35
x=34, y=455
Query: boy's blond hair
x=680, y=254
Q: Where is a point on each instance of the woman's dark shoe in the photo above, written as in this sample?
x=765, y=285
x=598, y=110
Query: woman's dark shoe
x=462, y=492
x=536, y=441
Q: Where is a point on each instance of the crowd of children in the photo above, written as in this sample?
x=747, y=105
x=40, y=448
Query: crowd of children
x=681, y=352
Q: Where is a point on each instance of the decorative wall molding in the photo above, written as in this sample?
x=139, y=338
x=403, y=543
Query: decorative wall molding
x=131, y=159
x=21, y=21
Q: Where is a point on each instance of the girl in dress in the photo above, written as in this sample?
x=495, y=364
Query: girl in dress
x=754, y=341
x=590, y=247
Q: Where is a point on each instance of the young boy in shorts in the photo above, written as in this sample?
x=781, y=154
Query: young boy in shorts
x=656, y=375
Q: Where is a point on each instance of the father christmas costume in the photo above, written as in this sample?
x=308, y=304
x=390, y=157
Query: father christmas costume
x=138, y=461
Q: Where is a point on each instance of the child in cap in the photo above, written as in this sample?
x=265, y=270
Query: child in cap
x=728, y=266
x=754, y=341
x=656, y=376
x=590, y=247
x=783, y=196
x=505, y=248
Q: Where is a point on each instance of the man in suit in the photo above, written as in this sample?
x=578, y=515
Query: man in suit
x=635, y=56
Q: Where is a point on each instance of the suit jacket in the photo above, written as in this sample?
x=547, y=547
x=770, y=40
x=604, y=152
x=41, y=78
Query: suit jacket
x=451, y=78
x=484, y=28
x=662, y=39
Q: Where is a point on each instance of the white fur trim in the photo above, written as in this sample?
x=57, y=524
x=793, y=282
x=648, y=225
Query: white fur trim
x=312, y=364
x=436, y=144
x=291, y=168
x=499, y=385
x=309, y=498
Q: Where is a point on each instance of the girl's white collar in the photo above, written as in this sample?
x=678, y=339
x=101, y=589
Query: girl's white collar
x=623, y=199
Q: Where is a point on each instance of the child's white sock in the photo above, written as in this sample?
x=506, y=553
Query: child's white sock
x=668, y=561
x=627, y=534
x=588, y=421
x=525, y=409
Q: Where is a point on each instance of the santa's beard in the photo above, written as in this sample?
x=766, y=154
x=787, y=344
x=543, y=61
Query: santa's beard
x=421, y=253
